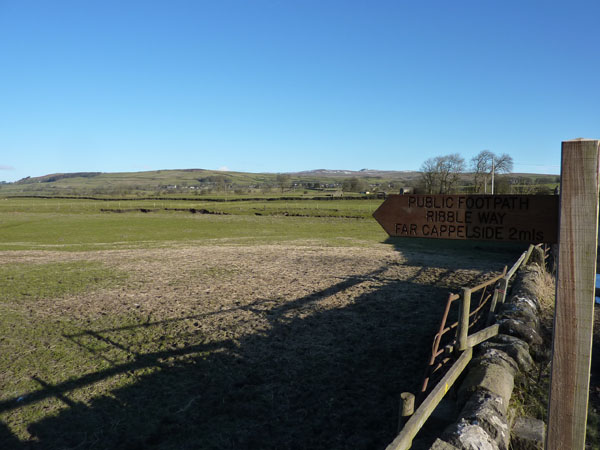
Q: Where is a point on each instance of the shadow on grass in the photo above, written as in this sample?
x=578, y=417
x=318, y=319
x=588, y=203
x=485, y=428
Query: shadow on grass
x=327, y=379
x=462, y=251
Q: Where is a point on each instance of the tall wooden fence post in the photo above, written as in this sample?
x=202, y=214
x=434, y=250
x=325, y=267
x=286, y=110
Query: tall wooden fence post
x=574, y=314
x=463, y=319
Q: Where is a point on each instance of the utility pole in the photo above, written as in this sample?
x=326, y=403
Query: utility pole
x=492, y=175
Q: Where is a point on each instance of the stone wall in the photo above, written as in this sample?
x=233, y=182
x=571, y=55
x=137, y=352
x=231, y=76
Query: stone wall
x=484, y=421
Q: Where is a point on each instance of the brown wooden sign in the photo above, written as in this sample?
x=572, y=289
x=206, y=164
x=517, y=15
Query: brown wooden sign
x=511, y=218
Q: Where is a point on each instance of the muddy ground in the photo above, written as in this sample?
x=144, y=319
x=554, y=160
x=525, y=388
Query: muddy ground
x=255, y=347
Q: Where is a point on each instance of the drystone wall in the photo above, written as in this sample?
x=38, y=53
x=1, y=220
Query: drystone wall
x=485, y=422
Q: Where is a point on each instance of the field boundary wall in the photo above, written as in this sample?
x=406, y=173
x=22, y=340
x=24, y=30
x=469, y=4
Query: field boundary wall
x=482, y=316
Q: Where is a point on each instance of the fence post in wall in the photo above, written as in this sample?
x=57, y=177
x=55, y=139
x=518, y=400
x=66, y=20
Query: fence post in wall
x=527, y=255
x=503, y=287
x=494, y=304
x=463, y=319
x=574, y=313
x=407, y=408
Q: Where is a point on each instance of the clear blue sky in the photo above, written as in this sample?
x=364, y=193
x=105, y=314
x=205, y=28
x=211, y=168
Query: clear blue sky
x=284, y=85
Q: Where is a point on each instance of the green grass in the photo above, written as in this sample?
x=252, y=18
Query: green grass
x=308, y=208
x=44, y=355
x=89, y=232
x=35, y=349
x=34, y=224
x=362, y=208
x=52, y=359
x=30, y=282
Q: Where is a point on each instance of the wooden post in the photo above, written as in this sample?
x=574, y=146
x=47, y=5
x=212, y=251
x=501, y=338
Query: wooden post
x=407, y=408
x=491, y=316
x=503, y=287
x=574, y=314
x=528, y=254
x=463, y=319
x=404, y=440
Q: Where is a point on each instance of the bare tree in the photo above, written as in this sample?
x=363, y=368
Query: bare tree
x=485, y=165
x=283, y=181
x=221, y=183
x=450, y=168
x=354, y=184
x=481, y=166
x=441, y=174
x=429, y=175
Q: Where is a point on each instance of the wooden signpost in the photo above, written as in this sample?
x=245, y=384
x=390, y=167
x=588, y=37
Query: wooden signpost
x=511, y=218
x=575, y=283
x=573, y=223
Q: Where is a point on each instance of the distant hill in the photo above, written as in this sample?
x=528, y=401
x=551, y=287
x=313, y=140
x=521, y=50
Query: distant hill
x=57, y=176
x=199, y=181
x=392, y=174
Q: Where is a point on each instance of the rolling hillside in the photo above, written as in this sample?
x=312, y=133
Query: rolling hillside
x=194, y=182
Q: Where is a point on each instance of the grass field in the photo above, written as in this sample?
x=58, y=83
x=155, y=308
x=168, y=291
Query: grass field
x=352, y=208
x=27, y=224
x=171, y=329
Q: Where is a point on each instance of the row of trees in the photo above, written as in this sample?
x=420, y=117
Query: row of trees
x=443, y=174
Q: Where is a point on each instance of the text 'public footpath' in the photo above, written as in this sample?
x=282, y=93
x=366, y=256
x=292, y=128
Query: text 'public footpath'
x=468, y=217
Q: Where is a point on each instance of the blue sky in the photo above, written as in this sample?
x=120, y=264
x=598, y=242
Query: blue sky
x=277, y=86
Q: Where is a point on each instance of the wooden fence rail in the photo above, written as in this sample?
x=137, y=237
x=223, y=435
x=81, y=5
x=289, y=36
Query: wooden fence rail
x=463, y=342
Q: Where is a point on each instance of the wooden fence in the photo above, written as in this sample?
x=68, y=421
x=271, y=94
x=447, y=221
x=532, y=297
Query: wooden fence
x=473, y=327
